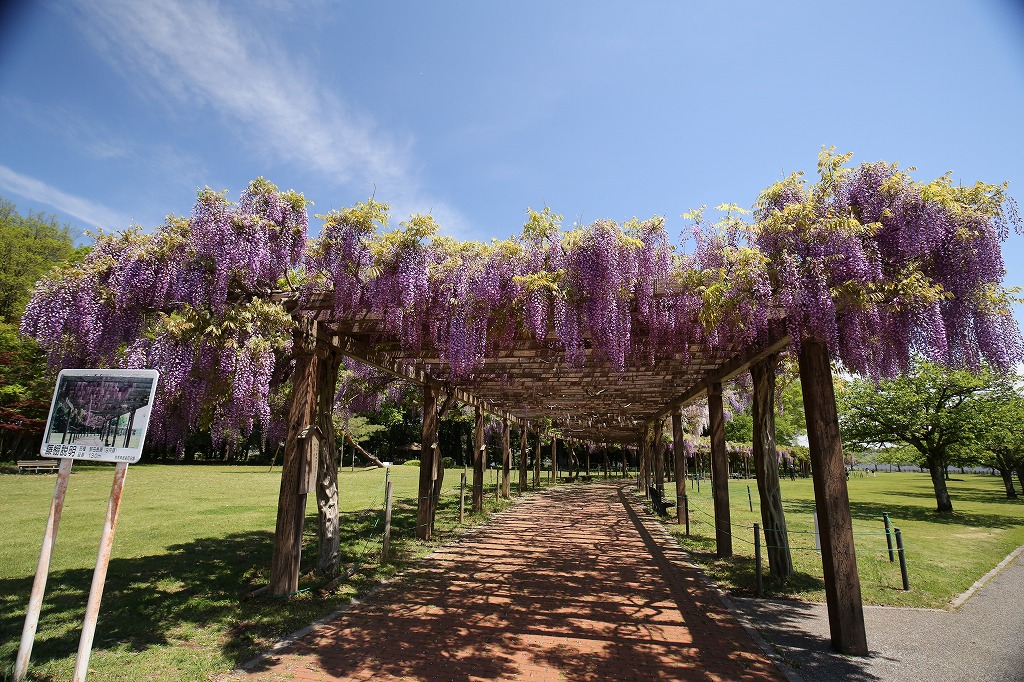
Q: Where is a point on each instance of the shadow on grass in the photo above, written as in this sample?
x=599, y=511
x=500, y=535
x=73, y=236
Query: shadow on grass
x=177, y=598
x=871, y=512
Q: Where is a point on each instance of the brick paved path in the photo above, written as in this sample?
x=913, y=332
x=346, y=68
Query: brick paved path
x=570, y=584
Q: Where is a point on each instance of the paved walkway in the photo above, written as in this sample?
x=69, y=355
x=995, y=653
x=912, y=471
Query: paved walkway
x=570, y=584
x=980, y=640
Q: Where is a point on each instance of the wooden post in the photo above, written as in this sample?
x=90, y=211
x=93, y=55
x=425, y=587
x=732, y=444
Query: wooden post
x=478, y=461
x=99, y=576
x=554, y=460
x=428, y=436
x=679, y=460
x=536, y=462
x=659, y=458
x=291, y=502
x=35, y=600
x=719, y=472
x=462, y=499
x=766, y=468
x=523, y=444
x=625, y=465
x=506, y=460
x=385, y=550
x=641, y=455
x=832, y=501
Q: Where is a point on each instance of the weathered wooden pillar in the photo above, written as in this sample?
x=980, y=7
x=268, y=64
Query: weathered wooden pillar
x=536, y=462
x=766, y=468
x=719, y=472
x=479, y=455
x=428, y=436
x=506, y=460
x=641, y=463
x=832, y=501
x=523, y=445
x=679, y=460
x=328, y=561
x=295, y=480
x=554, y=460
x=659, y=457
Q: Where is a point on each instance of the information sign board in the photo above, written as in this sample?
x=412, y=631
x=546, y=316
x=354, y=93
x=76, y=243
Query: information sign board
x=100, y=414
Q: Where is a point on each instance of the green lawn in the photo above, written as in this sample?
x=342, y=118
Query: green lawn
x=191, y=541
x=946, y=553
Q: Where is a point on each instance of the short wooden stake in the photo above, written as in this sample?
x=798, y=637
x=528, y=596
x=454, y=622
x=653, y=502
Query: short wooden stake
x=750, y=500
x=686, y=504
x=99, y=576
x=35, y=600
x=385, y=550
x=903, y=559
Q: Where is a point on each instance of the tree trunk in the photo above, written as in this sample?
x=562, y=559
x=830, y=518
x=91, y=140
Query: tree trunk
x=1011, y=492
x=936, y=470
x=766, y=468
x=356, y=447
x=328, y=562
x=1020, y=475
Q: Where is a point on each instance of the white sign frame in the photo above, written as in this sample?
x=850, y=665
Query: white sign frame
x=99, y=447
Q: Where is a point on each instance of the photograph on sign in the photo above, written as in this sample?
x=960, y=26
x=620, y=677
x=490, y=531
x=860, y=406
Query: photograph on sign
x=100, y=414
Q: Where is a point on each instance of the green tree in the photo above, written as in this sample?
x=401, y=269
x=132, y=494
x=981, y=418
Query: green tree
x=1000, y=430
x=931, y=409
x=29, y=246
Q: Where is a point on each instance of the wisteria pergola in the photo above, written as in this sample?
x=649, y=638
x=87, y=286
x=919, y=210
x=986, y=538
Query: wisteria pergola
x=597, y=333
x=531, y=384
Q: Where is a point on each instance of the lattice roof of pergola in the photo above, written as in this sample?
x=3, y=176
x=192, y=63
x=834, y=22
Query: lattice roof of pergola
x=530, y=382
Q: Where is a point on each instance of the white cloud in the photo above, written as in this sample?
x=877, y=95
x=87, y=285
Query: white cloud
x=89, y=212
x=197, y=53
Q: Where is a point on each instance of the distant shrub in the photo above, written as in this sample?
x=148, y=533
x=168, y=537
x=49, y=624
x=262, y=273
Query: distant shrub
x=448, y=462
x=412, y=463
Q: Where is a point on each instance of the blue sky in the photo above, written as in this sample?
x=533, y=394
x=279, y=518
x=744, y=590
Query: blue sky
x=113, y=112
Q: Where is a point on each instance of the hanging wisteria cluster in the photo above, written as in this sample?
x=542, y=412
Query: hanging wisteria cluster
x=191, y=300
x=873, y=263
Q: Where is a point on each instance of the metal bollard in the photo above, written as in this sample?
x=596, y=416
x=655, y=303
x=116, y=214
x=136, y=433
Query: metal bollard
x=757, y=558
x=888, y=535
x=903, y=559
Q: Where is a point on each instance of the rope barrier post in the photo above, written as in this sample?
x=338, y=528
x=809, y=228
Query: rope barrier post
x=686, y=505
x=888, y=535
x=750, y=500
x=903, y=559
x=462, y=499
x=757, y=556
x=386, y=546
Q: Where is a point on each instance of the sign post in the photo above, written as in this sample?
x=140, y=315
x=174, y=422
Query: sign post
x=97, y=415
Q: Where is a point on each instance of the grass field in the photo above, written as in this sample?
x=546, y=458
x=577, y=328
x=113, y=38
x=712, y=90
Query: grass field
x=191, y=541
x=946, y=553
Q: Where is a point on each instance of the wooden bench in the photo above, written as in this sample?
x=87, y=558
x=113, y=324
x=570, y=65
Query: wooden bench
x=38, y=466
x=658, y=501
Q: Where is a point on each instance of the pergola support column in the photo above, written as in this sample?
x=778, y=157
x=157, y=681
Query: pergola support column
x=424, y=501
x=478, y=461
x=659, y=458
x=719, y=472
x=523, y=445
x=295, y=470
x=554, y=460
x=536, y=462
x=506, y=459
x=679, y=460
x=832, y=502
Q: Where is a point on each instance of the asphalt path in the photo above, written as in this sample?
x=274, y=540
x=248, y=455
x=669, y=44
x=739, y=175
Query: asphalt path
x=982, y=639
